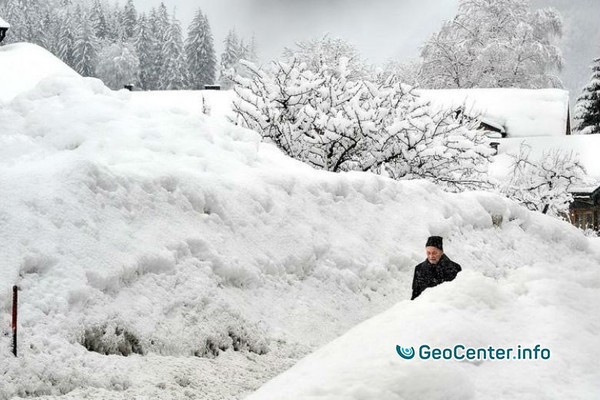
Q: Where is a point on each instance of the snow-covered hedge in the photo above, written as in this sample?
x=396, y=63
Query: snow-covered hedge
x=336, y=122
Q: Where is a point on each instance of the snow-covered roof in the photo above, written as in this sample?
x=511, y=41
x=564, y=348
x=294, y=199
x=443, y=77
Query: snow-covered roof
x=521, y=112
x=584, y=148
x=24, y=65
x=4, y=24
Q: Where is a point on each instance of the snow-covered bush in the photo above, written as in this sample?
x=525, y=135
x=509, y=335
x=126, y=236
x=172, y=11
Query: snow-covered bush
x=337, y=123
x=118, y=65
x=543, y=184
x=587, y=110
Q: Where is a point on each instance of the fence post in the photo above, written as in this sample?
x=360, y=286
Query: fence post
x=14, y=319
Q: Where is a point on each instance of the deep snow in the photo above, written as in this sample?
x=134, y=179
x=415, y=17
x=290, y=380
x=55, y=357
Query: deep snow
x=130, y=222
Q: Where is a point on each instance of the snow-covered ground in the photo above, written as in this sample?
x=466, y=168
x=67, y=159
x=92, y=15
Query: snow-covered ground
x=135, y=224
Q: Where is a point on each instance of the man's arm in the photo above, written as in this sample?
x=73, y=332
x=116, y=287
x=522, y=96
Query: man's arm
x=416, y=290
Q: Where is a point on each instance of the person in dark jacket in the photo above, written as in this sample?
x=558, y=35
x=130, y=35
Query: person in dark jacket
x=437, y=268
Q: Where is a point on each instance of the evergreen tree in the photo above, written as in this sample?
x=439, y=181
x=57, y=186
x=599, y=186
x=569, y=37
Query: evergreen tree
x=252, y=51
x=129, y=20
x=66, y=40
x=229, y=58
x=86, y=47
x=98, y=20
x=145, y=46
x=173, y=74
x=587, y=110
x=200, y=52
x=159, y=23
x=116, y=31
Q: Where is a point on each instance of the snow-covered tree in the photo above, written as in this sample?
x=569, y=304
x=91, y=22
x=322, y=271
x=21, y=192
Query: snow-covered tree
x=494, y=43
x=98, y=20
x=587, y=109
x=173, y=74
x=118, y=65
x=145, y=46
x=337, y=123
x=326, y=52
x=85, y=47
x=66, y=40
x=200, y=52
x=543, y=184
x=129, y=20
x=229, y=59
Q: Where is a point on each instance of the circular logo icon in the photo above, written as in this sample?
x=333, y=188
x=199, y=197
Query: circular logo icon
x=406, y=353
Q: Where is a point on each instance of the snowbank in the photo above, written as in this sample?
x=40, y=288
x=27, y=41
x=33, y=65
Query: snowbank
x=522, y=112
x=542, y=302
x=23, y=65
x=216, y=103
x=163, y=253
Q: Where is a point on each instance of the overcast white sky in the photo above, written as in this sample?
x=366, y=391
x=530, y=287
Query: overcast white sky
x=380, y=29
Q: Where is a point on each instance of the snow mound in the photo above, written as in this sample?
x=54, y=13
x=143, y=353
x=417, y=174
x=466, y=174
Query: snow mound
x=163, y=253
x=23, y=65
x=521, y=112
x=216, y=103
x=541, y=303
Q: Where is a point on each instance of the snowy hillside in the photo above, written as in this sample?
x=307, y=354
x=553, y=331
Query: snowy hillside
x=165, y=254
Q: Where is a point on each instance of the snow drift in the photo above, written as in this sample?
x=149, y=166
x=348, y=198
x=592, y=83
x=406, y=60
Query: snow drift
x=23, y=65
x=163, y=253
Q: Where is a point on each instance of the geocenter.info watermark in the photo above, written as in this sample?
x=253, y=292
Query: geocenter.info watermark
x=461, y=352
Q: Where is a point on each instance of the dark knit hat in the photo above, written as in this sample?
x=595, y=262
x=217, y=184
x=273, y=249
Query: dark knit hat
x=435, y=241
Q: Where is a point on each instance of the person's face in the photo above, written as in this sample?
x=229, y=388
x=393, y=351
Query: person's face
x=433, y=254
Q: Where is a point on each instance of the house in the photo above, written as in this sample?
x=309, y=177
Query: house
x=3, y=29
x=508, y=113
x=584, y=211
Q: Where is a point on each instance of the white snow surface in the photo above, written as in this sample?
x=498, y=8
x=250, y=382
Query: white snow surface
x=4, y=24
x=24, y=65
x=127, y=219
x=522, y=112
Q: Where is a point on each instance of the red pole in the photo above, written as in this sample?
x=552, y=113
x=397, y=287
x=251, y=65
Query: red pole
x=14, y=319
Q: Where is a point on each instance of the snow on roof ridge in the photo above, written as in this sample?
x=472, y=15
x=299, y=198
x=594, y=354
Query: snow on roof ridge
x=4, y=24
x=522, y=112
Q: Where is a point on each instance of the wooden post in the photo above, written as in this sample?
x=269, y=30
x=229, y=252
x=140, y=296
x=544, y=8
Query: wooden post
x=14, y=319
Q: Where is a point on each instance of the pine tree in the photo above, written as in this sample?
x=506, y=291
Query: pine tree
x=587, y=110
x=66, y=40
x=173, y=74
x=116, y=30
x=229, y=58
x=145, y=46
x=129, y=20
x=252, y=52
x=98, y=20
x=86, y=47
x=159, y=24
x=200, y=52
